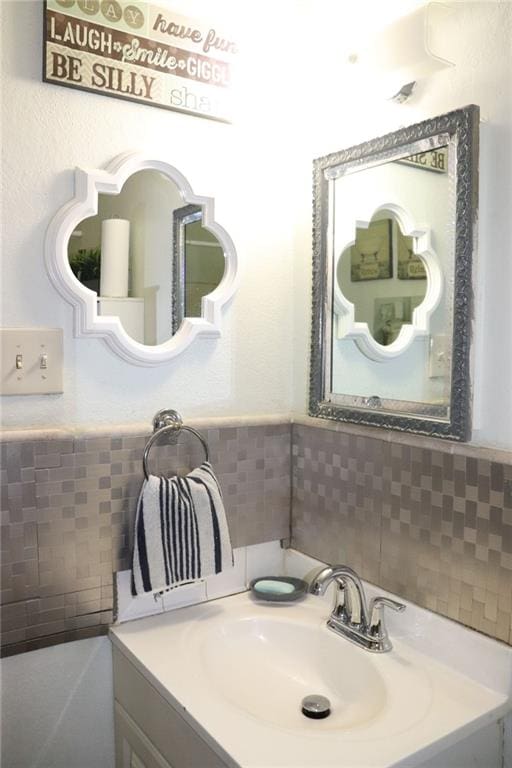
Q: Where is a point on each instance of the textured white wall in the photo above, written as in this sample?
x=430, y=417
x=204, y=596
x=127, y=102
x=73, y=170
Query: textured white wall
x=57, y=707
x=259, y=172
x=477, y=38
x=47, y=131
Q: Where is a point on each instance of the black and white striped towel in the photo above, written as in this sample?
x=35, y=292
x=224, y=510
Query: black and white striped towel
x=181, y=532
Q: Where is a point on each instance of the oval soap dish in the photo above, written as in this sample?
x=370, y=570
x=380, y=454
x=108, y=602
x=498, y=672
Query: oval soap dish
x=278, y=589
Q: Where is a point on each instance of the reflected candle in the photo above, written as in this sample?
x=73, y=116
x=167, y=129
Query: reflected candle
x=115, y=249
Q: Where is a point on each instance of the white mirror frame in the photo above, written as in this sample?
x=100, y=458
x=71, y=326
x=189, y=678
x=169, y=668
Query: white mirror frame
x=359, y=332
x=87, y=323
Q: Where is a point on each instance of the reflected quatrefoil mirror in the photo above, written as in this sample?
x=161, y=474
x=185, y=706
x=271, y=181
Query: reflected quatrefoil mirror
x=141, y=259
x=387, y=284
x=393, y=238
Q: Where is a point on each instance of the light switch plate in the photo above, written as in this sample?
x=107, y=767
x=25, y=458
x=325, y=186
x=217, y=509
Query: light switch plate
x=31, y=361
x=437, y=358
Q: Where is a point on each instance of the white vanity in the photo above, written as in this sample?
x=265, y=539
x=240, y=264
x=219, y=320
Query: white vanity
x=220, y=684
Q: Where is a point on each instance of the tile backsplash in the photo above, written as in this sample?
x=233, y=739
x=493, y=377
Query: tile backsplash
x=428, y=524
x=249, y=562
x=425, y=519
x=68, y=508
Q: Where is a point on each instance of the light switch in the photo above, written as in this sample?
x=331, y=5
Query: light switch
x=31, y=361
x=437, y=358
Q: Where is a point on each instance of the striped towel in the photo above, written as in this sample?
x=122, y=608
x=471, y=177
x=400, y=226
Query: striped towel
x=181, y=532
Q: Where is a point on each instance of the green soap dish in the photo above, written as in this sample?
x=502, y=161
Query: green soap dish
x=278, y=589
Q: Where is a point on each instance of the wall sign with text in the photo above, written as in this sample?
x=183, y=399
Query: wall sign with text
x=434, y=160
x=141, y=52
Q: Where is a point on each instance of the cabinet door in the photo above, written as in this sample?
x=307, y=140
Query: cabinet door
x=166, y=730
x=135, y=761
x=133, y=748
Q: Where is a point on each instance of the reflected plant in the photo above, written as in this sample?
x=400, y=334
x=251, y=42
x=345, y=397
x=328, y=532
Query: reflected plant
x=85, y=264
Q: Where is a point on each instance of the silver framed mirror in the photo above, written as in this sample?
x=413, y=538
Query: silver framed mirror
x=394, y=231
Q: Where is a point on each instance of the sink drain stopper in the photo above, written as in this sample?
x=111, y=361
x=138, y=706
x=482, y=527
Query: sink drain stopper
x=316, y=707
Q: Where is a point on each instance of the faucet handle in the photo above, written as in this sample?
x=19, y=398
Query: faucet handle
x=377, y=626
x=394, y=604
x=376, y=606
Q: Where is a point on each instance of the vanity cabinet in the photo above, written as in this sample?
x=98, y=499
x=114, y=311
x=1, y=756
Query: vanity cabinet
x=133, y=748
x=149, y=732
x=152, y=734
x=186, y=696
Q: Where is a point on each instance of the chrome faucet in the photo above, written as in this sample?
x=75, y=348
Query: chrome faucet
x=351, y=616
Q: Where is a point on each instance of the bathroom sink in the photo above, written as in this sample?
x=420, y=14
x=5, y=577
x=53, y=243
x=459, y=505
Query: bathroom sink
x=237, y=671
x=265, y=661
x=288, y=661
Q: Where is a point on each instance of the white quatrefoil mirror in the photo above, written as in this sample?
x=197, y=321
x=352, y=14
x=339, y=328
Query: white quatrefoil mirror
x=141, y=259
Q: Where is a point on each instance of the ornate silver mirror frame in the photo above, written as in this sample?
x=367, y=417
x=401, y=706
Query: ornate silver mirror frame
x=460, y=128
x=181, y=217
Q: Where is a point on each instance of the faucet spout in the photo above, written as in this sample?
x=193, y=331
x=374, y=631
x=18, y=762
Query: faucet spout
x=351, y=598
x=321, y=581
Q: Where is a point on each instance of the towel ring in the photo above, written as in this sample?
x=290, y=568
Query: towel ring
x=166, y=422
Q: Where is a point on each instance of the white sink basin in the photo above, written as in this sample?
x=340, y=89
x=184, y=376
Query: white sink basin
x=238, y=670
x=265, y=661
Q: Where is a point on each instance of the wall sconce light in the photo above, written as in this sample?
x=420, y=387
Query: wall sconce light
x=394, y=60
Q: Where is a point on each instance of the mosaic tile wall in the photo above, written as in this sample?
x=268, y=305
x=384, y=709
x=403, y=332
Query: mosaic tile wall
x=416, y=518
x=423, y=522
x=67, y=512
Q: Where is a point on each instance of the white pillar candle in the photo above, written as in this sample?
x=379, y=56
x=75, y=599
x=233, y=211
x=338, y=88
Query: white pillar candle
x=115, y=249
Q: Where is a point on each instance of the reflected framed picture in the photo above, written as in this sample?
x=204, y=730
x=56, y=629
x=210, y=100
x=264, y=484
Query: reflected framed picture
x=390, y=313
x=409, y=266
x=371, y=256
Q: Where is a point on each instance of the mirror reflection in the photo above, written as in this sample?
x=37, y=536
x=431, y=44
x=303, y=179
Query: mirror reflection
x=198, y=263
x=383, y=278
x=126, y=254
x=385, y=294
x=204, y=266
